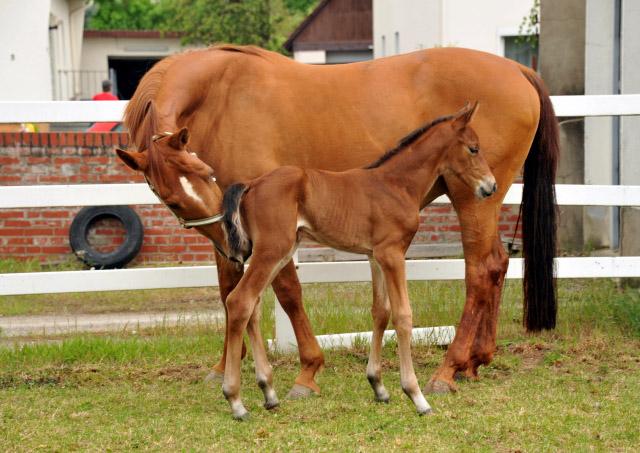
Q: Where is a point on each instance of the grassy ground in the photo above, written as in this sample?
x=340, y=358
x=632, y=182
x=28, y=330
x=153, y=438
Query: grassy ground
x=573, y=389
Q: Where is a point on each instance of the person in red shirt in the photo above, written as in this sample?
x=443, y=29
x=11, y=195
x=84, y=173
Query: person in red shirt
x=106, y=93
x=104, y=96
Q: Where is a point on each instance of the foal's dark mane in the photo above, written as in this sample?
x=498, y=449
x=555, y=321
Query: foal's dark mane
x=408, y=140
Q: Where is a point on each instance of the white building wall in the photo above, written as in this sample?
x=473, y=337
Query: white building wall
x=25, y=73
x=402, y=26
x=96, y=51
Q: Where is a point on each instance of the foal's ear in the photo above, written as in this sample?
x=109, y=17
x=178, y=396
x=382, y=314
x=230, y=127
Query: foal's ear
x=180, y=139
x=465, y=116
x=133, y=160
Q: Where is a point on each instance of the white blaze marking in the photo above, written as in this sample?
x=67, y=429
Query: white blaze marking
x=188, y=189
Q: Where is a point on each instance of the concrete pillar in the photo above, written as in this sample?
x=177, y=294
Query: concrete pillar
x=599, y=133
x=562, y=63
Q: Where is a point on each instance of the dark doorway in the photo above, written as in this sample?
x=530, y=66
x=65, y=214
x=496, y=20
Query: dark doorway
x=125, y=74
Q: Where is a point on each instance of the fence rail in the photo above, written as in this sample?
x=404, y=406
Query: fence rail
x=12, y=197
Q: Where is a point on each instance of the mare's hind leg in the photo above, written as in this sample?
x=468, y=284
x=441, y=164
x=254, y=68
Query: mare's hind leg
x=392, y=263
x=485, y=267
x=380, y=310
x=264, y=376
x=287, y=287
x=228, y=277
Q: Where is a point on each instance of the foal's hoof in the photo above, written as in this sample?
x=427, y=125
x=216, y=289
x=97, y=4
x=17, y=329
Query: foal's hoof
x=214, y=376
x=439, y=387
x=300, y=391
x=383, y=399
x=428, y=411
x=241, y=417
x=271, y=405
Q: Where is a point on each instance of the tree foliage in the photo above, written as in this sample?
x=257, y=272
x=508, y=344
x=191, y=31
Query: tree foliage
x=302, y=6
x=126, y=15
x=221, y=21
x=265, y=23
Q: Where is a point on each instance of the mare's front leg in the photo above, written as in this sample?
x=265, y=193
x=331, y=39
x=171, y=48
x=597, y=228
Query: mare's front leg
x=289, y=292
x=229, y=274
x=392, y=263
x=380, y=311
x=486, y=264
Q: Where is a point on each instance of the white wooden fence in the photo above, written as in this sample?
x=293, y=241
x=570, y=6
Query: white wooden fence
x=198, y=276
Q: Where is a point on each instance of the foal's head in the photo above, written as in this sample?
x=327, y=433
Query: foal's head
x=184, y=183
x=461, y=156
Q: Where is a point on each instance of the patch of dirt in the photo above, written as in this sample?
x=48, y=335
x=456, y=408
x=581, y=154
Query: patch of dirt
x=187, y=372
x=531, y=355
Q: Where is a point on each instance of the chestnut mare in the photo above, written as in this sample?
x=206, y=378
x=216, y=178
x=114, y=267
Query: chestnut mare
x=374, y=211
x=252, y=111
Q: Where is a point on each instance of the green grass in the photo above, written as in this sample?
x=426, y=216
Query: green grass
x=544, y=393
x=571, y=389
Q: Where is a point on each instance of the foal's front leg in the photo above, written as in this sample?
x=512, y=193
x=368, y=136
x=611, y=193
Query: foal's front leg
x=380, y=311
x=392, y=264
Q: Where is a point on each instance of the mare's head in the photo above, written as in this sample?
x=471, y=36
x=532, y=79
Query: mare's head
x=462, y=158
x=184, y=183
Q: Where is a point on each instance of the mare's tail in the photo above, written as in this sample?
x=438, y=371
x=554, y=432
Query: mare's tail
x=237, y=239
x=539, y=216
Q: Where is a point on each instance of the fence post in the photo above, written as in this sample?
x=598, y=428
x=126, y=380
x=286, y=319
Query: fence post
x=285, y=337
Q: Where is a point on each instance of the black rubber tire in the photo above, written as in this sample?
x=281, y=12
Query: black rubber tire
x=110, y=260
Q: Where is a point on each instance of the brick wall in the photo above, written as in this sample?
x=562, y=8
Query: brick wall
x=77, y=158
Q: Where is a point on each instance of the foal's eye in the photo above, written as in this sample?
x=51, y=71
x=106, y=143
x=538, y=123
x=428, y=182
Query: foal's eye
x=473, y=149
x=211, y=177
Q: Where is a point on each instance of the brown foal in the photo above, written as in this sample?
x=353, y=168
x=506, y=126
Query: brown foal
x=372, y=210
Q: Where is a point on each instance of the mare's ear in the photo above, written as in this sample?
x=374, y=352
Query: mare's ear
x=465, y=116
x=180, y=139
x=133, y=160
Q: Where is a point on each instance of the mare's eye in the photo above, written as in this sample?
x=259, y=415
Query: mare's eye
x=211, y=177
x=473, y=149
x=173, y=206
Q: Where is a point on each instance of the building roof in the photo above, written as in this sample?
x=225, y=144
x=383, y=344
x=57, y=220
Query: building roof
x=335, y=25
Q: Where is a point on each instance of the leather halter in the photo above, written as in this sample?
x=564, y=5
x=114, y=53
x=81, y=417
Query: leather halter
x=185, y=223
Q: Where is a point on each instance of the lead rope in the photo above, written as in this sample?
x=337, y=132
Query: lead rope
x=512, y=252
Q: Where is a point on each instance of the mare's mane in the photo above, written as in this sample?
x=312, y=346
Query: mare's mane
x=140, y=118
x=405, y=142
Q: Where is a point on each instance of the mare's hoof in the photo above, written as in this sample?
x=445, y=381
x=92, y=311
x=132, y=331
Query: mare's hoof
x=300, y=391
x=214, y=376
x=466, y=375
x=438, y=387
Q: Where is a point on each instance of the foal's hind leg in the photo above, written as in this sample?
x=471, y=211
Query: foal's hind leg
x=380, y=310
x=228, y=277
x=264, y=376
x=485, y=267
x=241, y=304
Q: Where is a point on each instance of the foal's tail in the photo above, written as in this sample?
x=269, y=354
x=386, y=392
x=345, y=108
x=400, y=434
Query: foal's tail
x=539, y=216
x=237, y=239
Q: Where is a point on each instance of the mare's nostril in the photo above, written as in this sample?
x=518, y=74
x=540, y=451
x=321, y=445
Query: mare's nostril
x=495, y=187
